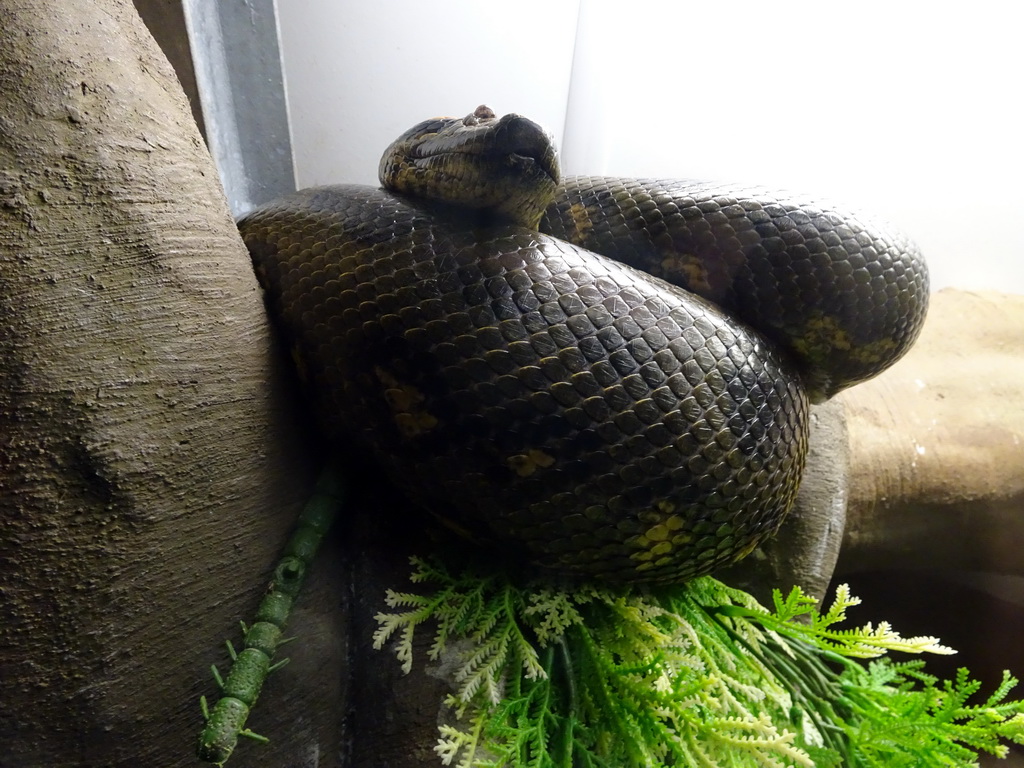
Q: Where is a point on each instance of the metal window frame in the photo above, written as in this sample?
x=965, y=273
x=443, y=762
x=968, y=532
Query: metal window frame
x=236, y=56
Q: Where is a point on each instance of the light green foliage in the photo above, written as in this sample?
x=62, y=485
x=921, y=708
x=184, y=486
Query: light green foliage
x=866, y=642
x=699, y=675
x=467, y=606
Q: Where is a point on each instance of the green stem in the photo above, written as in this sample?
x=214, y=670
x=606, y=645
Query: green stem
x=568, y=736
x=813, y=687
x=225, y=722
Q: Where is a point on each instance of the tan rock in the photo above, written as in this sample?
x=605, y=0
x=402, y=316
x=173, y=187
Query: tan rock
x=937, y=445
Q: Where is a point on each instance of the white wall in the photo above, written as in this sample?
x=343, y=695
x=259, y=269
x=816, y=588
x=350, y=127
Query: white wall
x=909, y=110
x=359, y=73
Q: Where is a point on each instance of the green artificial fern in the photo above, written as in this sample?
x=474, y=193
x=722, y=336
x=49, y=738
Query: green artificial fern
x=698, y=675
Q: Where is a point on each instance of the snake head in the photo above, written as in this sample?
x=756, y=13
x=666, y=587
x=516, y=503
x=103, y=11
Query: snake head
x=506, y=166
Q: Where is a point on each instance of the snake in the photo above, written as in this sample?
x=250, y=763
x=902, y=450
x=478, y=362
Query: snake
x=597, y=378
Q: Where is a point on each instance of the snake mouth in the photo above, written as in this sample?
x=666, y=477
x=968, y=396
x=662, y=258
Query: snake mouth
x=543, y=162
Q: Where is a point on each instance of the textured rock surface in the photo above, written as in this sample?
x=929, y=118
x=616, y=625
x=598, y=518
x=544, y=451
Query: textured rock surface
x=150, y=460
x=937, y=445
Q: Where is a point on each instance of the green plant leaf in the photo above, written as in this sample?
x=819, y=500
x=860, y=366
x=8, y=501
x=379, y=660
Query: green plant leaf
x=699, y=675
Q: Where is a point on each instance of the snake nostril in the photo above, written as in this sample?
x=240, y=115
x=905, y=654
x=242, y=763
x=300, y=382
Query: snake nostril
x=521, y=136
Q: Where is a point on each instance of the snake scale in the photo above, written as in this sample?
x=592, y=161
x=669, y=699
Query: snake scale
x=536, y=390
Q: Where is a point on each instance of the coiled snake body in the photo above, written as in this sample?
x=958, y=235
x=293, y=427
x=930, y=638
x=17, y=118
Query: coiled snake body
x=594, y=420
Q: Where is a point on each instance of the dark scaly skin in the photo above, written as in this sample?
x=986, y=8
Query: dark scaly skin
x=586, y=418
x=845, y=297
x=590, y=419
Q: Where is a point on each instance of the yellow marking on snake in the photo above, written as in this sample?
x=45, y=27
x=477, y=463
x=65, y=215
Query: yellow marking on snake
x=525, y=464
x=688, y=270
x=875, y=352
x=655, y=545
x=581, y=222
x=406, y=404
x=822, y=334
